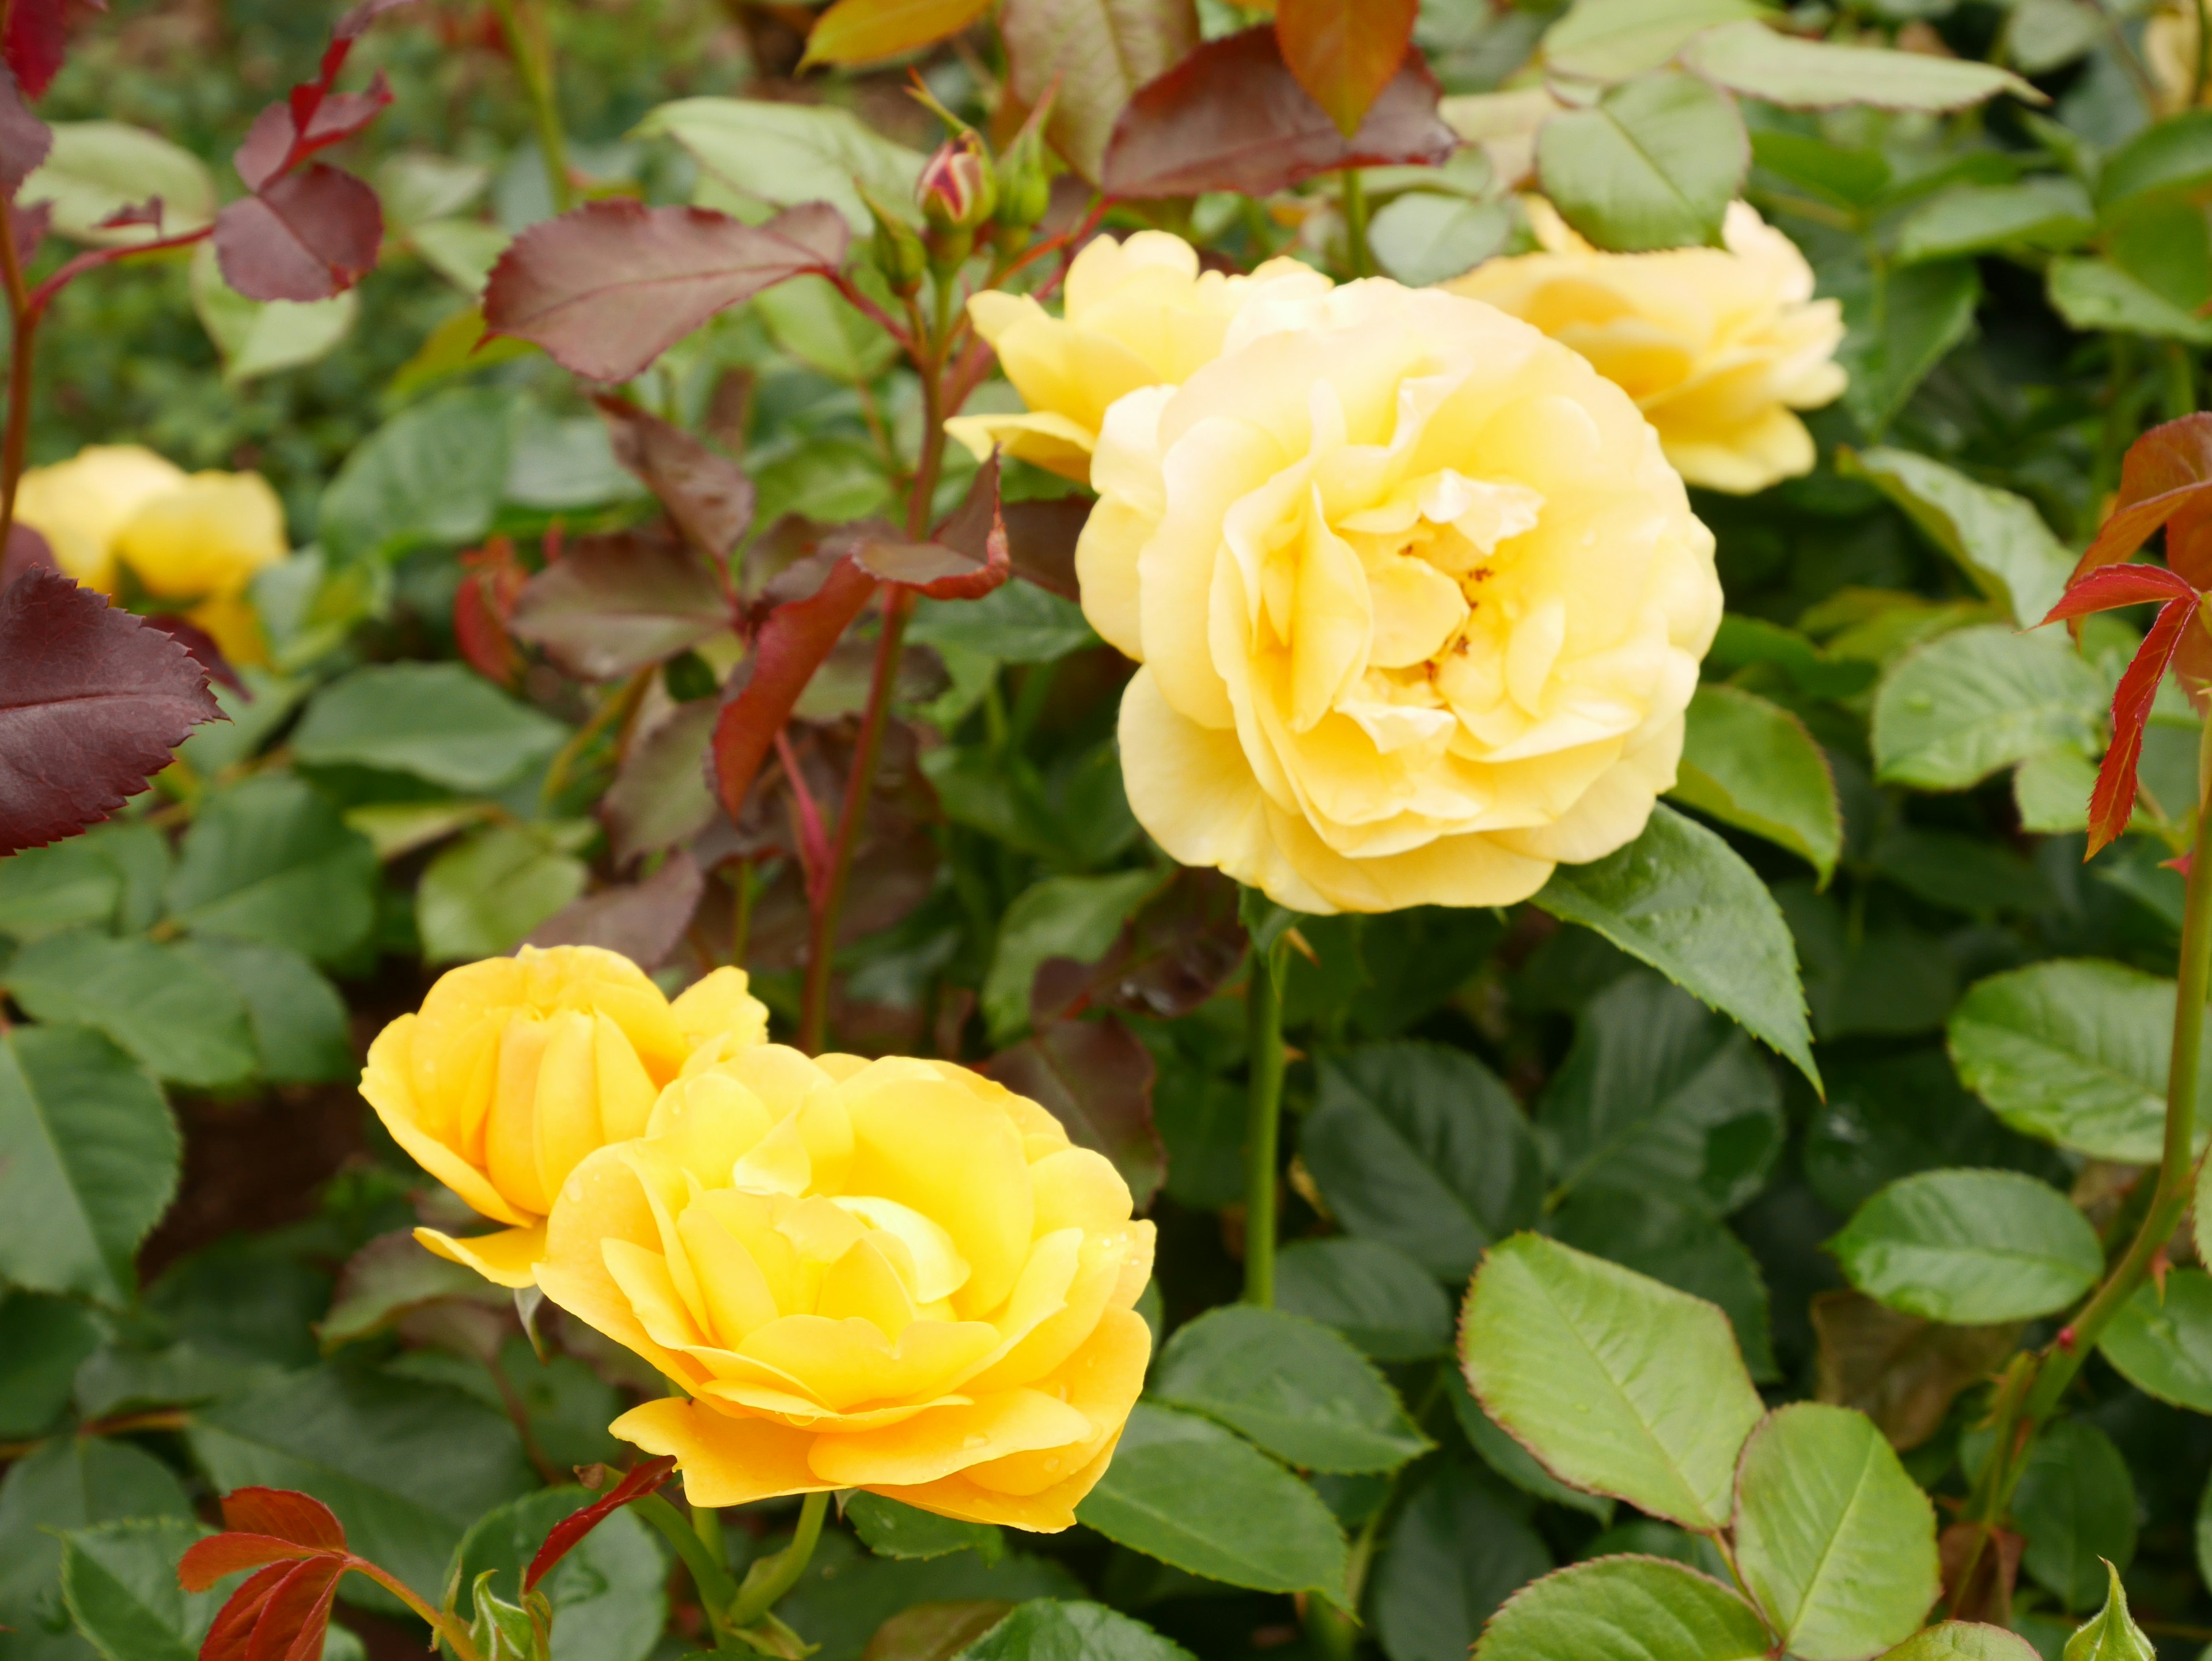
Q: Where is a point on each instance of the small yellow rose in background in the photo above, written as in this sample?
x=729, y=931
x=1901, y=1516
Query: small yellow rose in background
x=895, y=1276
x=1718, y=346
x=188, y=537
x=1139, y=313
x=2169, y=50
x=1419, y=603
x=517, y=1067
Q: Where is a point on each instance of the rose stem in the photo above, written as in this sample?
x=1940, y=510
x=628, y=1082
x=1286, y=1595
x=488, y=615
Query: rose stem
x=772, y=1577
x=1354, y=203
x=1263, y=1122
x=533, y=66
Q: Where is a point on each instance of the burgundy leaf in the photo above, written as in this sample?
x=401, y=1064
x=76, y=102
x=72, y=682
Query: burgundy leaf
x=1170, y=958
x=610, y=286
x=1232, y=117
x=611, y=605
x=31, y=224
x=1096, y=1080
x=308, y=235
x=974, y=533
x=314, y=118
x=643, y=1478
x=940, y=572
x=642, y=920
x=268, y=146
x=661, y=794
x=789, y=646
x=36, y=42
x=2167, y=469
x=27, y=551
x=1344, y=51
x=91, y=702
x=705, y=492
x=491, y=583
x=2112, y=803
x=1040, y=537
x=148, y=212
x=2112, y=586
x=285, y=1513
x=24, y=139
x=202, y=645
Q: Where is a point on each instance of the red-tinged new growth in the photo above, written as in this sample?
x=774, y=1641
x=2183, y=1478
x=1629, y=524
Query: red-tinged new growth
x=483, y=605
x=643, y=1478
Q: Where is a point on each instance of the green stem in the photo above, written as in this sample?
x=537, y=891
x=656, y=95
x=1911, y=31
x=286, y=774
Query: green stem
x=533, y=65
x=774, y=1576
x=1263, y=1121
x=1354, y=200
x=454, y=1633
x=2180, y=376
x=717, y=1592
x=2203, y=77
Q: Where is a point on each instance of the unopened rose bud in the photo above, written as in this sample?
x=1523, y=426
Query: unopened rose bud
x=1025, y=173
x=958, y=187
x=896, y=247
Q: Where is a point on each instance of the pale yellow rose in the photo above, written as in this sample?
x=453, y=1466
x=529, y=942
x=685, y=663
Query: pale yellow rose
x=895, y=1276
x=1419, y=599
x=517, y=1067
x=1718, y=346
x=80, y=506
x=2169, y=50
x=206, y=536
x=1138, y=313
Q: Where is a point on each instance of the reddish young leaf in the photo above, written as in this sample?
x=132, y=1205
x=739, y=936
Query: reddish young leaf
x=1232, y=117
x=295, y=1617
x=1041, y=538
x=2112, y=803
x=24, y=139
x=1096, y=1078
x=2112, y=586
x=643, y=1478
x=975, y=534
x=491, y=583
x=27, y=551
x=36, y=42
x=1344, y=51
x=607, y=288
x=307, y=236
x=206, y=1561
x=613, y=603
x=705, y=492
x=643, y=920
x=202, y=645
x=314, y=118
x=232, y=1629
x=285, y=1514
x=91, y=702
x=790, y=646
x=2168, y=471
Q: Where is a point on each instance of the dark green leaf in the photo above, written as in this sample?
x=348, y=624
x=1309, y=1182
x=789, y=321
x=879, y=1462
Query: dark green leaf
x=891, y=1530
x=1971, y=1247
x=1997, y=539
x=2050, y=212
x=482, y=895
x=2173, y=156
x=179, y=1021
x=846, y=1594
x=607, y=1597
x=299, y=1019
x=1888, y=1116
x=269, y=859
x=2094, y=295
x=1048, y=1629
x=42, y=1341
x=66, y=1483
x=2076, y=1505
x=1459, y=1549
x=436, y=721
x=432, y=474
x=119, y=1581
x=1653, y=164
x=1899, y=325
x=1514, y=1463
x=1751, y=764
x=1954, y=711
x=1015, y=622
x=1374, y=1294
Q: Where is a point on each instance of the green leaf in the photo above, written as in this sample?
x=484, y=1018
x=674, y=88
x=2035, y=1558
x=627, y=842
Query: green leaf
x=407, y=1467
x=2096, y=296
x=1421, y=1147
x=845, y=1596
x=1789, y=69
x=2076, y=1504
x=1015, y=622
x=785, y=153
x=439, y=722
x=2163, y=1347
x=433, y=474
x=891, y=1530
x=2111, y=1634
x=257, y=338
x=1751, y=764
x=1660, y=1095
x=1426, y=236
x=1374, y=1294
x=119, y=1581
x=2169, y=156
x=2074, y=1052
x=89, y=1160
x=1887, y=1116
x=97, y=169
x=67, y=885
x=1683, y=901
x=43, y=1341
x=1899, y=324
x=1954, y=711
x=1971, y=1247
x=1997, y=539
x=181, y=1024
x=1616, y=40
x=1653, y=164
x=299, y=1019
x=2050, y=212
x=1076, y=917
x=816, y=325
x=1834, y=1540
x=1509, y=1459
x=1291, y=1385
x=270, y=859
x=1885, y=977
x=1963, y=1640
x=608, y=1598
x=1615, y=1608
x=1459, y=1549
x=1682, y=1246
x=1618, y=1383
x=1959, y=872
x=1184, y=1490
x=1048, y=1629
x=68, y=1482
x=484, y=894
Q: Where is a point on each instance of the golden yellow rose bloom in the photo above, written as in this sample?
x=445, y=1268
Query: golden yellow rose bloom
x=1718, y=346
x=1419, y=599
x=895, y=1276
x=1139, y=313
x=517, y=1067
x=207, y=536
x=82, y=504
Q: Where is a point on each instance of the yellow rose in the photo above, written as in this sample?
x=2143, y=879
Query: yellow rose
x=517, y=1067
x=1418, y=601
x=1718, y=346
x=82, y=504
x=207, y=536
x=895, y=1276
x=1139, y=313
x=2169, y=50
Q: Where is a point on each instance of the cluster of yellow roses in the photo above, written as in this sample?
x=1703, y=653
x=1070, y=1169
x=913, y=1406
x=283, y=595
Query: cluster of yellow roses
x=195, y=539
x=890, y=1275
x=1411, y=574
